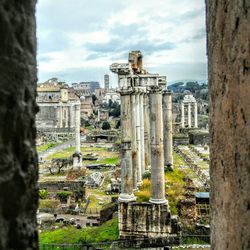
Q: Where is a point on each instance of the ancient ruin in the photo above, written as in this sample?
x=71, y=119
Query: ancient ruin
x=189, y=114
x=142, y=139
x=228, y=56
x=57, y=108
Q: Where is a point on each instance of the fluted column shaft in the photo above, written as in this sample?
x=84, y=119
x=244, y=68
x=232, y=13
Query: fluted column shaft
x=156, y=142
x=77, y=127
x=182, y=115
x=138, y=139
x=126, y=194
x=146, y=132
x=142, y=133
x=167, y=129
x=133, y=140
x=189, y=115
x=195, y=115
x=77, y=156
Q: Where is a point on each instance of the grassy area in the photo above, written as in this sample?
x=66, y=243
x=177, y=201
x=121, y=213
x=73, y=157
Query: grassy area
x=109, y=160
x=106, y=232
x=46, y=146
x=49, y=203
x=62, y=153
x=174, y=185
x=111, y=157
x=94, y=202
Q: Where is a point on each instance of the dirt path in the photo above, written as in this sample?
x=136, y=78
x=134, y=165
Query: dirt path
x=51, y=151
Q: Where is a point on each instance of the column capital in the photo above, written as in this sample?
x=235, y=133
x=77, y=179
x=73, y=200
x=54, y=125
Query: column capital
x=125, y=91
x=155, y=89
x=167, y=92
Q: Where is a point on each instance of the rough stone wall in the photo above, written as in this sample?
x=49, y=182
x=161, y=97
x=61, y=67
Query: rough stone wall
x=146, y=220
x=229, y=78
x=54, y=186
x=18, y=158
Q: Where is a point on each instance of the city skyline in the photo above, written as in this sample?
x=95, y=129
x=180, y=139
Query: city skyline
x=76, y=45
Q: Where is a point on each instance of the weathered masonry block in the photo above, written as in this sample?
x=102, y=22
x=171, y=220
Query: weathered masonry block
x=148, y=221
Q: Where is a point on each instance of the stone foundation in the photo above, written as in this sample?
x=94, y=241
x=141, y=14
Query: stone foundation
x=150, y=222
x=77, y=187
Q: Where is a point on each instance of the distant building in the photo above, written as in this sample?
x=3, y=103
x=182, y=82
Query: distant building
x=56, y=103
x=106, y=82
x=189, y=112
x=112, y=95
x=99, y=93
x=86, y=88
x=87, y=106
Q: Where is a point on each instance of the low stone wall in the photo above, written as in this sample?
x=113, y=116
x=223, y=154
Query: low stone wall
x=77, y=187
x=107, y=212
x=198, y=137
x=146, y=223
x=180, y=141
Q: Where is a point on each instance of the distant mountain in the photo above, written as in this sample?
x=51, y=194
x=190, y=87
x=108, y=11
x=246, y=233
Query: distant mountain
x=185, y=81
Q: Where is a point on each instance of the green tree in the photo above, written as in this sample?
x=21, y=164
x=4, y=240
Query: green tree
x=106, y=125
x=94, y=98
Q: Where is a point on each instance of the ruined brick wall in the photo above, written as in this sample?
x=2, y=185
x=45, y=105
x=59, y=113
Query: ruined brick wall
x=18, y=159
x=229, y=85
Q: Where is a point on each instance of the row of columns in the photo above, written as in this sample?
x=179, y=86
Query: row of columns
x=65, y=114
x=190, y=117
x=142, y=120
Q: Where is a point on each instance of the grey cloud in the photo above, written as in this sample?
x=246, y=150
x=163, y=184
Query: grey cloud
x=53, y=41
x=75, y=15
x=182, y=71
x=200, y=34
x=127, y=38
x=191, y=14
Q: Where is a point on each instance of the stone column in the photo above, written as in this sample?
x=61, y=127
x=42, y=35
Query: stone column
x=138, y=139
x=126, y=194
x=67, y=117
x=61, y=116
x=168, y=131
x=195, y=115
x=182, y=115
x=133, y=140
x=142, y=133
x=189, y=115
x=146, y=132
x=77, y=156
x=98, y=115
x=156, y=142
x=57, y=116
x=72, y=112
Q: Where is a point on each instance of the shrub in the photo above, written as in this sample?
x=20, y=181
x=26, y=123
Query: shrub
x=118, y=124
x=63, y=195
x=146, y=175
x=143, y=196
x=106, y=126
x=43, y=193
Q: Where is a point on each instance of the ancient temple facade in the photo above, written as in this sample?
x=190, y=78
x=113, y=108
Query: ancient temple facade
x=146, y=145
x=189, y=112
x=56, y=107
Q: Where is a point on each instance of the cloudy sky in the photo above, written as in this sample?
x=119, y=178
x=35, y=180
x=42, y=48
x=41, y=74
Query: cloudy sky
x=79, y=39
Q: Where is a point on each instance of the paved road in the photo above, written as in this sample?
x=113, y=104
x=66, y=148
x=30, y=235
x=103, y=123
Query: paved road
x=51, y=151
